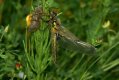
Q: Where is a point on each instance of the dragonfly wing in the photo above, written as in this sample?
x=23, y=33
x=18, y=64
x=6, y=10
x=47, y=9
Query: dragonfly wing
x=72, y=42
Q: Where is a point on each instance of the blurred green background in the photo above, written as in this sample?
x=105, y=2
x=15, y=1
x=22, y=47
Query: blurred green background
x=93, y=21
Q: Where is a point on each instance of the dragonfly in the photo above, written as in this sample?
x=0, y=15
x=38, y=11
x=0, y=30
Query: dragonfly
x=60, y=33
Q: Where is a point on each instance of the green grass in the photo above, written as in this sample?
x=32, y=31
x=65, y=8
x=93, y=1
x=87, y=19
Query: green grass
x=86, y=19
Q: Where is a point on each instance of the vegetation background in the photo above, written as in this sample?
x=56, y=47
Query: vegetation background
x=93, y=21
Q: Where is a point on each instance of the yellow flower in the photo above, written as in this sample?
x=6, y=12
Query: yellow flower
x=6, y=29
x=28, y=20
x=106, y=24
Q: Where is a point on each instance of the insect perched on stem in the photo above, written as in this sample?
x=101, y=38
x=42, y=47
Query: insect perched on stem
x=59, y=33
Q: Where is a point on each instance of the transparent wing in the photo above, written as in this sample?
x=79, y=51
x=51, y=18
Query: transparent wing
x=72, y=42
